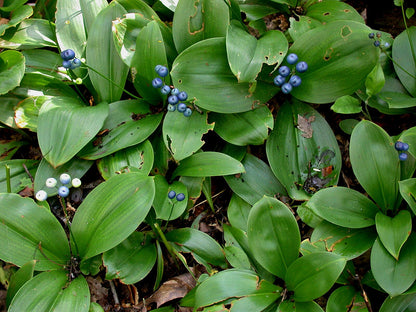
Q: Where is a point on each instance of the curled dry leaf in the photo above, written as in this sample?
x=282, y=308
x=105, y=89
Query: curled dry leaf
x=305, y=125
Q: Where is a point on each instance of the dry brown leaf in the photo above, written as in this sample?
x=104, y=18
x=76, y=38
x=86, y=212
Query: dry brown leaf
x=305, y=125
x=98, y=292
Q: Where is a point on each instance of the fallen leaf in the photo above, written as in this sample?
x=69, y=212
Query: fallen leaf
x=305, y=125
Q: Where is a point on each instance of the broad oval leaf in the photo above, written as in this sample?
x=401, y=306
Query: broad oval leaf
x=19, y=14
x=311, y=276
x=208, y=164
x=394, y=276
x=183, y=135
x=248, y=128
x=166, y=208
x=344, y=207
x=375, y=163
x=198, y=20
x=271, y=223
x=110, y=213
x=301, y=141
x=338, y=65
x=399, y=303
x=291, y=306
x=66, y=125
x=24, y=228
x=12, y=69
x=49, y=291
x=18, y=279
x=90, y=10
x=393, y=232
x=344, y=297
x=257, y=181
x=332, y=11
x=202, y=70
x=131, y=260
x=102, y=56
x=408, y=192
x=232, y=284
x=237, y=212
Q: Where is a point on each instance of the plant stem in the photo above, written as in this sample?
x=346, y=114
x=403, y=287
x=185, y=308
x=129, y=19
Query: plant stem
x=407, y=32
x=164, y=240
x=9, y=185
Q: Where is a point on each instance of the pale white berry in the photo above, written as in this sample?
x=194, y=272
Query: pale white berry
x=41, y=195
x=65, y=178
x=76, y=182
x=51, y=182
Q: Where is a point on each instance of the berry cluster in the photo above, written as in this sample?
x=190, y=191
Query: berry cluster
x=179, y=196
x=63, y=190
x=402, y=147
x=377, y=40
x=69, y=60
x=175, y=97
x=285, y=72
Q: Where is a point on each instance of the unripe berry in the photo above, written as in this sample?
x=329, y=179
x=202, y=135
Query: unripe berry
x=279, y=80
x=402, y=156
x=295, y=81
x=78, y=81
x=76, y=182
x=171, y=107
x=65, y=178
x=173, y=99
x=187, y=112
x=67, y=54
x=41, y=195
x=63, y=191
x=292, y=58
x=284, y=71
x=301, y=67
x=180, y=197
x=182, y=96
x=163, y=71
x=50, y=182
x=165, y=89
x=157, y=83
x=181, y=107
x=286, y=88
x=171, y=194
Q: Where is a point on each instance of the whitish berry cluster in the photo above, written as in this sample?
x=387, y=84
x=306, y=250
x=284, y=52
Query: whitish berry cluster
x=179, y=196
x=69, y=60
x=402, y=147
x=63, y=190
x=378, y=42
x=287, y=78
x=175, y=97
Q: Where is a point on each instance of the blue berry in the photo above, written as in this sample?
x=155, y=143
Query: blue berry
x=173, y=99
x=175, y=91
x=65, y=178
x=279, y=80
x=171, y=194
x=157, y=67
x=67, y=54
x=386, y=44
x=182, y=96
x=165, y=89
x=295, y=81
x=405, y=147
x=398, y=146
x=402, y=156
x=157, y=83
x=181, y=107
x=75, y=63
x=180, y=197
x=171, y=107
x=286, y=88
x=376, y=43
x=63, y=191
x=284, y=71
x=187, y=112
x=163, y=71
x=292, y=58
x=67, y=64
x=371, y=35
x=301, y=67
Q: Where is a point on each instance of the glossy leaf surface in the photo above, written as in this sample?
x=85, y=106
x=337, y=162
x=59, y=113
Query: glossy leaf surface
x=12, y=69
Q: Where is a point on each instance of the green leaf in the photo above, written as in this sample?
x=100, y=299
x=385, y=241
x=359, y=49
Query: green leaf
x=17, y=173
x=246, y=54
x=311, y=276
x=338, y=65
x=346, y=242
x=203, y=247
x=44, y=62
x=102, y=56
x=110, y=213
x=18, y=279
x=402, y=303
x=404, y=63
x=131, y=260
x=396, y=100
x=138, y=158
x=344, y=297
x=347, y=125
x=302, y=140
x=198, y=20
x=183, y=135
x=66, y=125
x=257, y=181
x=347, y=104
x=24, y=228
x=294, y=306
x=238, y=211
x=129, y=122
x=233, y=284
x=11, y=5
x=273, y=224
x=410, y=12
x=408, y=192
x=393, y=232
x=12, y=70
x=202, y=70
x=248, y=128
x=344, y=207
x=208, y=164
x=394, y=276
x=90, y=10
x=332, y=11
x=51, y=291
x=375, y=163
x=166, y=208
x=374, y=81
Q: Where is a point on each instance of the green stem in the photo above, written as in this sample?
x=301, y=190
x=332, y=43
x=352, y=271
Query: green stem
x=407, y=31
x=165, y=241
x=8, y=179
x=398, y=65
x=113, y=82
